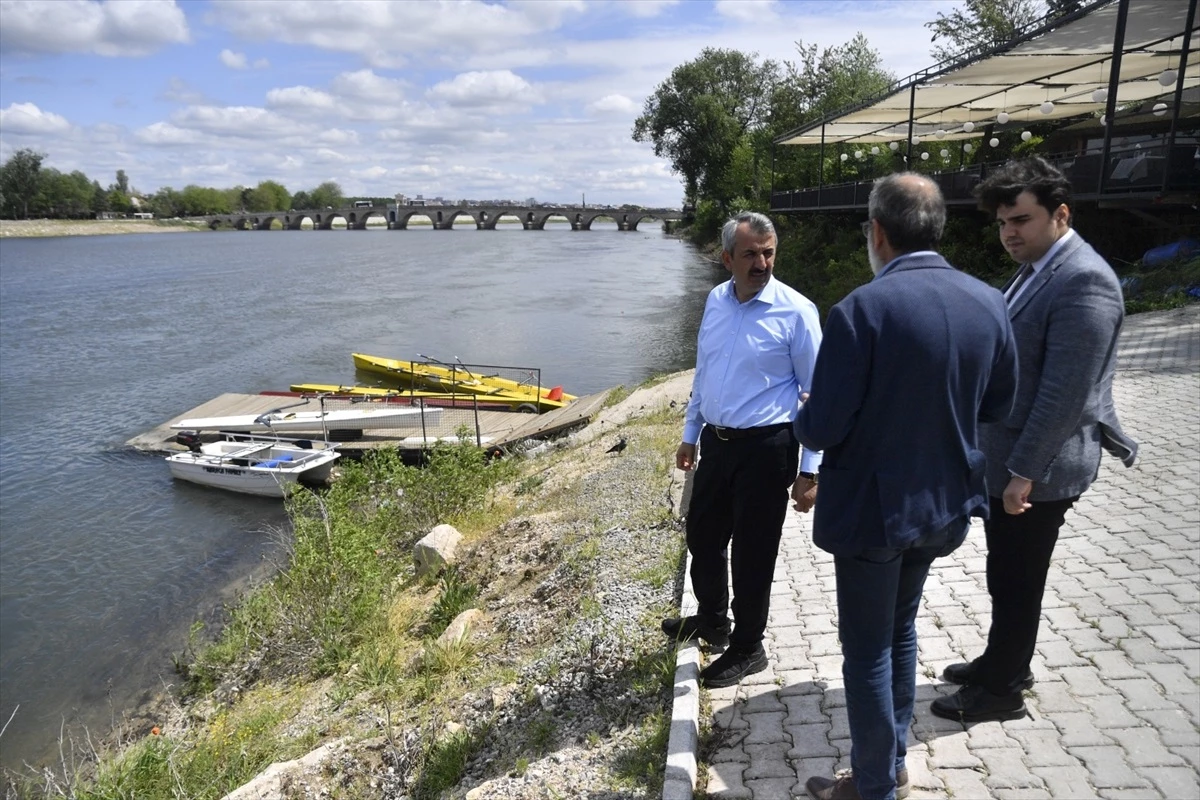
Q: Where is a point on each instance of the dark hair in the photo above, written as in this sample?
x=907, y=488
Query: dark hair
x=1036, y=175
x=759, y=224
x=910, y=209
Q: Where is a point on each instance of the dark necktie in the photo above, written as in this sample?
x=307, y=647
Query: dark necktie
x=1018, y=281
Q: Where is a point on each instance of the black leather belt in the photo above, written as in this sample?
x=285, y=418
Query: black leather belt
x=727, y=434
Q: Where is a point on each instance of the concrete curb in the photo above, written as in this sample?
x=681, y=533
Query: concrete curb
x=683, y=743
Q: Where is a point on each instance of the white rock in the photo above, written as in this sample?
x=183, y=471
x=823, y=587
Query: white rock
x=436, y=550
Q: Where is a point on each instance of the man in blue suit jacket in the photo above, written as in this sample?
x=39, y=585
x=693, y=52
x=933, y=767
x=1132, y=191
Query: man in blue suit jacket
x=910, y=363
x=1066, y=309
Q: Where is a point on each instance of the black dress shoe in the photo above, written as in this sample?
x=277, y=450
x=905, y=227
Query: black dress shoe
x=842, y=787
x=697, y=627
x=975, y=704
x=962, y=674
x=733, y=665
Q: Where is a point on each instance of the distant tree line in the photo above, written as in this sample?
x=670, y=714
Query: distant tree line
x=30, y=190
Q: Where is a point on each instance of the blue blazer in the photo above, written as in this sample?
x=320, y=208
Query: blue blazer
x=909, y=365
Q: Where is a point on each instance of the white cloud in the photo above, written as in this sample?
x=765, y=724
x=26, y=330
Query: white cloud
x=164, y=133
x=495, y=87
x=261, y=63
x=234, y=60
x=236, y=121
x=366, y=85
x=747, y=10
x=391, y=34
x=27, y=118
x=301, y=97
x=112, y=28
x=614, y=104
x=644, y=9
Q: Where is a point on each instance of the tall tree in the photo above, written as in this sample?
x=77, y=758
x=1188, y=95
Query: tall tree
x=21, y=178
x=980, y=25
x=327, y=195
x=268, y=196
x=122, y=182
x=699, y=116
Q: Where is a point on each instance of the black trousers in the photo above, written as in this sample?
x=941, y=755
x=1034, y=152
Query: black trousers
x=739, y=501
x=1019, y=548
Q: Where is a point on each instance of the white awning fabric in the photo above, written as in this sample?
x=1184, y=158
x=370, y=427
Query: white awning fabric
x=1063, y=66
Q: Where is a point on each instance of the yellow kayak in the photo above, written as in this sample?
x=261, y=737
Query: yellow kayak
x=432, y=398
x=461, y=380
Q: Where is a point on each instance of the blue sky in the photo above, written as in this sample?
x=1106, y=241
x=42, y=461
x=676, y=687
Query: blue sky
x=462, y=99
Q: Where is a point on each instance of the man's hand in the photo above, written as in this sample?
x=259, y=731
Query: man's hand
x=804, y=494
x=1016, y=495
x=685, y=457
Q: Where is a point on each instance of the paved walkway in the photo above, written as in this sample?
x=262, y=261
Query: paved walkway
x=1116, y=708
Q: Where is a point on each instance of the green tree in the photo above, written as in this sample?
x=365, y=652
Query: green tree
x=268, y=196
x=20, y=179
x=62, y=196
x=118, y=201
x=816, y=86
x=327, y=194
x=99, y=198
x=699, y=116
x=122, y=182
x=167, y=203
x=196, y=201
x=980, y=25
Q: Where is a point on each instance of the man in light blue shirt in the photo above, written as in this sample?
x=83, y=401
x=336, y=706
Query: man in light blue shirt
x=755, y=355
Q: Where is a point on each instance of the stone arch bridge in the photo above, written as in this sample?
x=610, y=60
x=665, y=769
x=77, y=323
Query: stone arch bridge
x=442, y=217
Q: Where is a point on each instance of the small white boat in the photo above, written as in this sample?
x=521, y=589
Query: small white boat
x=264, y=467
x=381, y=416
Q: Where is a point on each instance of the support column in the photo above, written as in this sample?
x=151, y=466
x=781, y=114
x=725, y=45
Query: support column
x=1175, y=108
x=1114, y=81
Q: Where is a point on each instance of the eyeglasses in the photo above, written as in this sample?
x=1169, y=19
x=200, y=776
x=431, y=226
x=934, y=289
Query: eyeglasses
x=866, y=229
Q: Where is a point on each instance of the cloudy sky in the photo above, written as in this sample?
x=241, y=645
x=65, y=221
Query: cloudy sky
x=462, y=99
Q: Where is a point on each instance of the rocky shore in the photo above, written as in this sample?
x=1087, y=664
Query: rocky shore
x=567, y=692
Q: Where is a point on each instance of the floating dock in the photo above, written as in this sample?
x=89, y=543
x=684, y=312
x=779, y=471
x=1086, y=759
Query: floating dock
x=492, y=429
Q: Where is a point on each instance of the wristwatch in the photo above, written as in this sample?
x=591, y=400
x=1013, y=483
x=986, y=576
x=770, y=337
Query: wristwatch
x=812, y=476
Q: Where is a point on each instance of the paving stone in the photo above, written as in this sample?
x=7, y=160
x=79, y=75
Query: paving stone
x=766, y=728
x=760, y=699
x=725, y=781
x=964, y=783
x=1115, y=666
x=1144, y=748
x=1109, y=711
x=1143, y=650
x=1168, y=637
x=768, y=761
x=1108, y=768
x=1067, y=782
x=1079, y=730
x=1043, y=748
x=788, y=659
x=1175, y=728
x=1142, y=694
x=1006, y=768
x=1174, y=782
x=810, y=741
x=1054, y=698
x=1085, y=681
x=1173, y=678
x=805, y=768
x=952, y=752
x=990, y=735
x=1022, y=793
x=803, y=710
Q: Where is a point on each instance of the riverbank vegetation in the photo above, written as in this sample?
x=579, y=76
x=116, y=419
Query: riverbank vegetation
x=560, y=682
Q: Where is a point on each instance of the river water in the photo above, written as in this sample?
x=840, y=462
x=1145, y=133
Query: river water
x=105, y=562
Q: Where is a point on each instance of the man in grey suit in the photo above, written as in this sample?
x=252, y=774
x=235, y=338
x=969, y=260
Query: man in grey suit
x=1066, y=309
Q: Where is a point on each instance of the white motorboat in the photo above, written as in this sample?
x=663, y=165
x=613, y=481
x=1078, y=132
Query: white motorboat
x=380, y=416
x=258, y=466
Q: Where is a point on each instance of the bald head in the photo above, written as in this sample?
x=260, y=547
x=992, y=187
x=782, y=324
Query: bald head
x=910, y=210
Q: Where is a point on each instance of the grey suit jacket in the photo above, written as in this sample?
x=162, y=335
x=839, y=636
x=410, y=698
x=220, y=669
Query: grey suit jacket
x=1065, y=323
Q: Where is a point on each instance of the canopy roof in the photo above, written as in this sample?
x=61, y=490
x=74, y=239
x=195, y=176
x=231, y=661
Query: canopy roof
x=1061, y=62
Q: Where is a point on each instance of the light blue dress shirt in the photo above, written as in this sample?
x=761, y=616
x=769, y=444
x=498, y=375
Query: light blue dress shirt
x=753, y=360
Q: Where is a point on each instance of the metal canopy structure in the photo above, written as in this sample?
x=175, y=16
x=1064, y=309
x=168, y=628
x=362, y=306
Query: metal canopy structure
x=1060, y=69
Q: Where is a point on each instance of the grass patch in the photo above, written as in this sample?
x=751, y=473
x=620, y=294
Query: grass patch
x=456, y=596
x=643, y=763
x=615, y=396
x=445, y=763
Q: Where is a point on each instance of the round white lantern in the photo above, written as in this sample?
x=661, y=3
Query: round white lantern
x=875, y=150
x=967, y=148
x=1167, y=77
x=844, y=157
x=1002, y=117
x=994, y=142
x=968, y=126
x=1104, y=119
x=894, y=146
x=1159, y=109
x=941, y=134
x=1046, y=107
x=945, y=153
x=924, y=156
x=858, y=154
x=1100, y=95
x=916, y=140
x=1026, y=136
